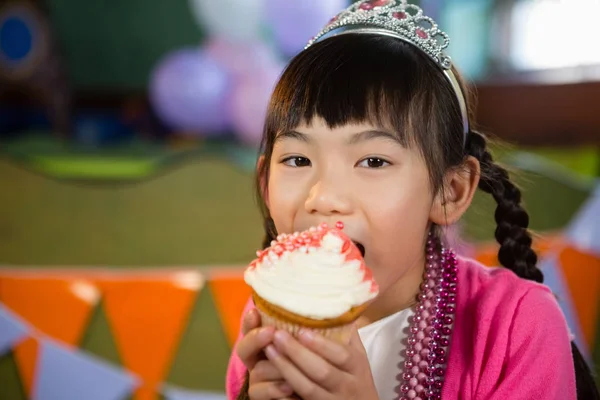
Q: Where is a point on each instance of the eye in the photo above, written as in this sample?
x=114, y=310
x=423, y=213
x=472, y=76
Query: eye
x=373, y=162
x=296, y=162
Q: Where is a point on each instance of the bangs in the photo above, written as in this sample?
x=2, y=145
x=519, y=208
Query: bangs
x=374, y=79
x=354, y=78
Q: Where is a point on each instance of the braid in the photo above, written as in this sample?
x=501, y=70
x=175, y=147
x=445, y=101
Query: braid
x=512, y=220
x=515, y=251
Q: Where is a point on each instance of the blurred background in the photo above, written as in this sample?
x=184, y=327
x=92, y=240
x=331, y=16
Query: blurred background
x=128, y=138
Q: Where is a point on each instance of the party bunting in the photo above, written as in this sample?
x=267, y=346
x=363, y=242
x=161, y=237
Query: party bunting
x=67, y=374
x=487, y=253
x=12, y=330
x=57, y=307
x=555, y=280
x=230, y=294
x=172, y=393
x=582, y=274
x=584, y=230
x=147, y=317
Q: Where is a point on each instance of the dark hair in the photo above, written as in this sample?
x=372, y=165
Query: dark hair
x=387, y=82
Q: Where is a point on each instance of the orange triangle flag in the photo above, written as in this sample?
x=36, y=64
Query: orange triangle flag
x=230, y=294
x=582, y=273
x=487, y=253
x=26, y=354
x=147, y=318
x=57, y=307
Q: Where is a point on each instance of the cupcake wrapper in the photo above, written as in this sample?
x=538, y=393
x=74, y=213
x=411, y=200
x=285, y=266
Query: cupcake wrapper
x=340, y=334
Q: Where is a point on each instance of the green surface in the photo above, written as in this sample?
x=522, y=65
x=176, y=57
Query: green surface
x=98, y=339
x=584, y=161
x=10, y=382
x=94, y=167
x=201, y=360
x=199, y=214
x=550, y=205
x=131, y=161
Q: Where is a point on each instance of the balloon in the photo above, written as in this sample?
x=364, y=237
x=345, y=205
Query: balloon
x=294, y=22
x=249, y=103
x=241, y=59
x=234, y=19
x=189, y=91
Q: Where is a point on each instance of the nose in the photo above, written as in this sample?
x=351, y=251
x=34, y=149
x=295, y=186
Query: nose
x=328, y=197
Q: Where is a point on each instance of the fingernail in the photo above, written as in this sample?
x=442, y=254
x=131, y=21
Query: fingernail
x=281, y=337
x=265, y=333
x=271, y=352
x=307, y=335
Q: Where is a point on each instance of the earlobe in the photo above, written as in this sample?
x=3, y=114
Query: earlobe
x=455, y=197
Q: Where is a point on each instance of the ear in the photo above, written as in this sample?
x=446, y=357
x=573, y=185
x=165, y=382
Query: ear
x=263, y=180
x=455, y=197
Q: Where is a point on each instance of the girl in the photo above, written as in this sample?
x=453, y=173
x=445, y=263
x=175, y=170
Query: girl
x=369, y=125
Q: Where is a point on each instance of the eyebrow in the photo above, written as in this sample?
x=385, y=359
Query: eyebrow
x=373, y=134
x=303, y=137
x=354, y=139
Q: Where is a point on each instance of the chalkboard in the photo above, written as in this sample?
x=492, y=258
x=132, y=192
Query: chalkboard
x=114, y=44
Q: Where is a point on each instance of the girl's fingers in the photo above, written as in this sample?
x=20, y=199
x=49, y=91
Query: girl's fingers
x=250, y=348
x=265, y=371
x=251, y=321
x=269, y=391
x=297, y=379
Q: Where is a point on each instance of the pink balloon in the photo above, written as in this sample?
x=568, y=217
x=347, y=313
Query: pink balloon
x=189, y=91
x=249, y=102
x=241, y=58
x=294, y=22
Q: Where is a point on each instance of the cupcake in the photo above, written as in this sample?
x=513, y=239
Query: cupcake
x=316, y=279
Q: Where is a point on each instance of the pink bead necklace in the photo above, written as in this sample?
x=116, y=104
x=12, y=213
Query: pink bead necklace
x=422, y=377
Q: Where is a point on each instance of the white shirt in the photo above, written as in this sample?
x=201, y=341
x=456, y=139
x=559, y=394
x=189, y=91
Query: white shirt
x=384, y=340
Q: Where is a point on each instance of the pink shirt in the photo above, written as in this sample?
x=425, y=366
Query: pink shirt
x=510, y=341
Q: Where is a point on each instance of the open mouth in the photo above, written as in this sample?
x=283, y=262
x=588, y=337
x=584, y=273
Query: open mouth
x=360, y=247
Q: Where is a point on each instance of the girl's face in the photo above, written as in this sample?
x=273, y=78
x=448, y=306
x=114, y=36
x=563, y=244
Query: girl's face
x=360, y=175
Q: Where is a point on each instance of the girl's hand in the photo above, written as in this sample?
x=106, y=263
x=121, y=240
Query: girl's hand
x=317, y=368
x=266, y=382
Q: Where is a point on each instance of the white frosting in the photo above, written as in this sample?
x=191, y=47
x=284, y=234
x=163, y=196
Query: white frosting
x=317, y=284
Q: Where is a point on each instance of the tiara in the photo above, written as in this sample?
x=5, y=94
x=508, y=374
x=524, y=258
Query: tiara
x=403, y=21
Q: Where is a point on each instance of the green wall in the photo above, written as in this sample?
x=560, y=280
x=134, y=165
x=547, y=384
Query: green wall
x=114, y=44
x=200, y=214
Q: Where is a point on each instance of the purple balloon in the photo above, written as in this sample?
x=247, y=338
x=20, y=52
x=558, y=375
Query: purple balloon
x=294, y=22
x=250, y=101
x=241, y=58
x=190, y=90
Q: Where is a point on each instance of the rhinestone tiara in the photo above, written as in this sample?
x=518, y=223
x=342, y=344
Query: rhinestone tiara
x=403, y=21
